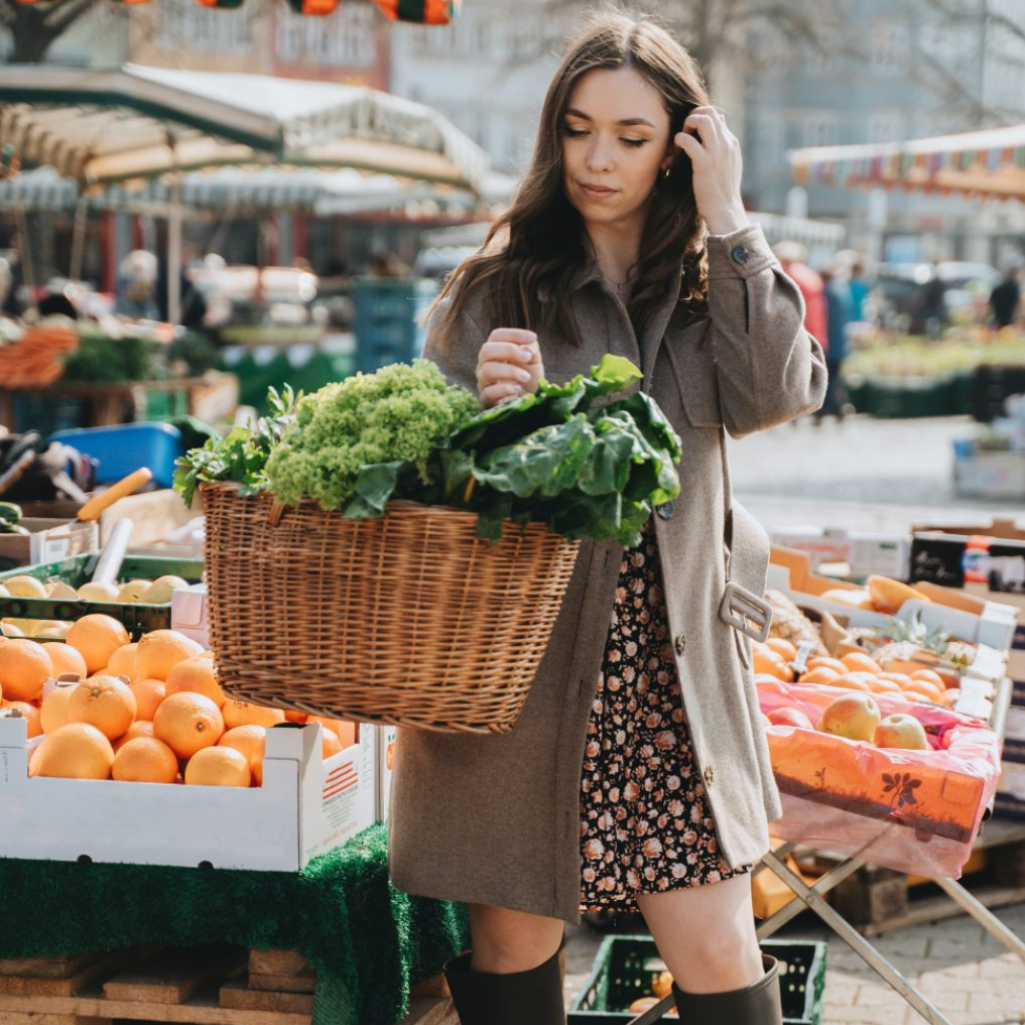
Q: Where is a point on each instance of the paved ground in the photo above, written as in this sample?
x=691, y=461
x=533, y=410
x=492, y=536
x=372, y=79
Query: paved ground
x=873, y=475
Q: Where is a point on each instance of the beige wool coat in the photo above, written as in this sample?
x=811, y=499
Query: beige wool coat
x=496, y=820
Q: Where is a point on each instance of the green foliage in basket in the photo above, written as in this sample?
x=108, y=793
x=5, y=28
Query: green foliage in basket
x=241, y=456
x=350, y=436
x=100, y=359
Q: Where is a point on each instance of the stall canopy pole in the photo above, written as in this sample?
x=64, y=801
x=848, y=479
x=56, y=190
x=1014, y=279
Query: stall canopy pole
x=78, y=240
x=174, y=251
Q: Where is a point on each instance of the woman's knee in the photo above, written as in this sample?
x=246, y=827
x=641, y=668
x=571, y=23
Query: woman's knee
x=506, y=941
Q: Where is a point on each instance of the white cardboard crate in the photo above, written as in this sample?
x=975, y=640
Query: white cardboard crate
x=993, y=627
x=305, y=807
x=864, y=553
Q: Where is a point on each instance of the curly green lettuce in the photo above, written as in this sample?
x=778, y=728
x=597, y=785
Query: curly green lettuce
x=398, y=415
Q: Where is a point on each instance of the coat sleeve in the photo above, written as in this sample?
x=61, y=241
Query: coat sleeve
x=769, y=368
x=456, y=357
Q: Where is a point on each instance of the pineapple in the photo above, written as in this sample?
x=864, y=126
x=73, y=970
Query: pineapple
x=790, y=624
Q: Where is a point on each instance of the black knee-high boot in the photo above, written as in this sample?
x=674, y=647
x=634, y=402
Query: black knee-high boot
x=757, y=1004
x=484, y=998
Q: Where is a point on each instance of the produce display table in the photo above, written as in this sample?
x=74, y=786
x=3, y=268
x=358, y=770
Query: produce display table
x=367, y=942
x=812, y=897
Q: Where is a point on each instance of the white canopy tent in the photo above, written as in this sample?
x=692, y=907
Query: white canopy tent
x=101, y=127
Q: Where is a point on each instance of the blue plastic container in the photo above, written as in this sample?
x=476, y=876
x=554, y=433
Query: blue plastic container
x=123, y=448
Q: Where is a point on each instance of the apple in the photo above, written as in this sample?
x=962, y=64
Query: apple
x=854, y=716
x=902, y=730
x=789, y=717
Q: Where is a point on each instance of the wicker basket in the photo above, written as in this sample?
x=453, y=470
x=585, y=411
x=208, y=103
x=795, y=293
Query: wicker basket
x=408, y=619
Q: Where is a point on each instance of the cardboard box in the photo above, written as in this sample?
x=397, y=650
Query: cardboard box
x=154, y=513
x=1014, y=730
x=49, y=540
x=965, y=616
x=386, y=739
x=990, y=475
x=189, y=613
x=862, y=553
x=305, y=807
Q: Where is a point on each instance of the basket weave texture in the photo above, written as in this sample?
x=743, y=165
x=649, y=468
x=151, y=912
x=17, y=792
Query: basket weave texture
x=408, y=619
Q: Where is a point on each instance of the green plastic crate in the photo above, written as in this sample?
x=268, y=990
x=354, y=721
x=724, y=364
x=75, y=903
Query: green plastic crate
x=137, y=618
x=626, y=967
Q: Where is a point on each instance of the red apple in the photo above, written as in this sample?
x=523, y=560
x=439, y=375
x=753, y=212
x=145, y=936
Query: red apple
x=902, y=730
x=854, y=716
x=789, y=717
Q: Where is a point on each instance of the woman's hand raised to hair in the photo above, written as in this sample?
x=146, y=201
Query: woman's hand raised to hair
x=508, y=365
x=718, y=167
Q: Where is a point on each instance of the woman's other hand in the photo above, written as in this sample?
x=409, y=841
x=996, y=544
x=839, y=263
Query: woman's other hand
x=718, y=167
x=508, y=365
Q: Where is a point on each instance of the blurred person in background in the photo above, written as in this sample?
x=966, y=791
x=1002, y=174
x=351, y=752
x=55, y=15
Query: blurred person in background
x=1006, y=296
x=792, y=256
x=137, y=285
x=859, y=289
x=839, y=314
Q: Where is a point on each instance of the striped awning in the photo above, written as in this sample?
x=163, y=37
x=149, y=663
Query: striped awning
x=106, y=126
x=987, y=163
x=423, y=12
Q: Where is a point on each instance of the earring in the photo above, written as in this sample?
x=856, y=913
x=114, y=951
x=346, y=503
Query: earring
x=667, y=172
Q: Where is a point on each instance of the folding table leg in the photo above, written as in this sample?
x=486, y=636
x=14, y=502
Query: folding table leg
x=824, y=884
x=856, y=941
x=983, y=916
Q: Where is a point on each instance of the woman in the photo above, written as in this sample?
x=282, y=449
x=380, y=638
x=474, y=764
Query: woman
x=637, y=774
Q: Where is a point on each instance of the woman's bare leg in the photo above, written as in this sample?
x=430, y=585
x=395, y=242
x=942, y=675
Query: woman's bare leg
x=706, y=935
x=507, y=941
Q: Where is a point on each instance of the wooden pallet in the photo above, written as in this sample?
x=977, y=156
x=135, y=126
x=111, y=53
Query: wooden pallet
x=210, y=985
x=877, y=900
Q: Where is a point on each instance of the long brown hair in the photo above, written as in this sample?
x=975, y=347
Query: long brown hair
x=535, y=248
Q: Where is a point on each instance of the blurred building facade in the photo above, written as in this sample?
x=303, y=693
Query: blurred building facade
x=913, y=70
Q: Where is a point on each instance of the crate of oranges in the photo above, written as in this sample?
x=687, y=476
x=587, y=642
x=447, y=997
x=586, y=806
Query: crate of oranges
x=136, y=750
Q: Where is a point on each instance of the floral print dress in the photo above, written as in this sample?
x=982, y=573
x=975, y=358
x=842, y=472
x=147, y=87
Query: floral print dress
x=646, y=826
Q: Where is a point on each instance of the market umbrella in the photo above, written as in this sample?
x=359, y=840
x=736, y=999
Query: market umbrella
x=988, y=163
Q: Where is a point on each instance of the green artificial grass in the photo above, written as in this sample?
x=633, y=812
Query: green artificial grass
x=367, y=941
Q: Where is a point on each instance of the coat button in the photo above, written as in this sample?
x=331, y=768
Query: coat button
x=709, y=775
x=681, y=643
x=665, y=510
x=740, y=254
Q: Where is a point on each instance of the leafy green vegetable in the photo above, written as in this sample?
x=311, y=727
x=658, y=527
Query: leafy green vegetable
x=241, y=455
x=344, y=434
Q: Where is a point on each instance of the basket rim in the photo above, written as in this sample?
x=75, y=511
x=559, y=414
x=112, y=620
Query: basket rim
x=399, y=506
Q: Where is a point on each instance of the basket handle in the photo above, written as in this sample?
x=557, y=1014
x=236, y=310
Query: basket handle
x=277, y=510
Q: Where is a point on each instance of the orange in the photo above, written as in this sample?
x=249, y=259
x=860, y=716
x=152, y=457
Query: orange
x=829, y=663
x=24, y=665
x=187, y=723
x=218, y=767
x=850, y=681
x=770, y=683
x=53, y=712
x=930, y=676
x=898, y=678
x=122, y=662
x=950, y=696
x=104, y=702
x=75, y=751
x=291, y=716
x=251, y=742
x=881, y=685
x=888, y=595
x=197, y=675
x=856, y=662
x=29, y=712
x=139, y=728
x=148, y=695
x=820, y=674
x=161, y=650
x=242, y=713
x=329, y=743
x=66, y=659
x=782, y=647
x=97, y=637
x=145, y=760
x=925, y=688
